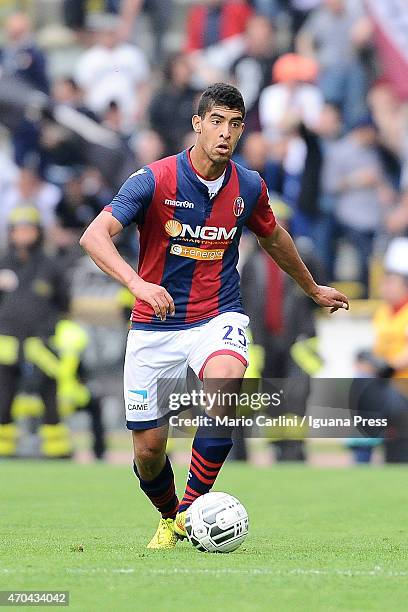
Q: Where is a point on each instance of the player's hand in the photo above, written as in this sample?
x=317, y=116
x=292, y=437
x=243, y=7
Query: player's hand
x=330, y=298
x=156, y=296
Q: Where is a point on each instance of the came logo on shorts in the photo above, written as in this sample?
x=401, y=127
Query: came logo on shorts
x=137, y=399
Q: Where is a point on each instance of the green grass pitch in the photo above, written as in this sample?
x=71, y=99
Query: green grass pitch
x=320, y=539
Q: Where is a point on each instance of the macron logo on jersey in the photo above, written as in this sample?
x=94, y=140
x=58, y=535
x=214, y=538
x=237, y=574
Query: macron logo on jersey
x=179, y=203
x=141, y=171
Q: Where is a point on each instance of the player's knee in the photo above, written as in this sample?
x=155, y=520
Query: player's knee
x=231, y=372
x=149, y=461
x=223, y=367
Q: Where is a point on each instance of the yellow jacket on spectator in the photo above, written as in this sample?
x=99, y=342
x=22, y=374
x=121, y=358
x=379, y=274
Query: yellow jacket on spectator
x=391, y=331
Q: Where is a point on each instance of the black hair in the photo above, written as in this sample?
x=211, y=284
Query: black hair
x=221, y=94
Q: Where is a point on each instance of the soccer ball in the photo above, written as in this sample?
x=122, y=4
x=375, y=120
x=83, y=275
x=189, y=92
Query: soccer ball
x=216, y=522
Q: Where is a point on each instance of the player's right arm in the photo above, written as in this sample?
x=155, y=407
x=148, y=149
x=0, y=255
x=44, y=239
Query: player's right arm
x=97, y=242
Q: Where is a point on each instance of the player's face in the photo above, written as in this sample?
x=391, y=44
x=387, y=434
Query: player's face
x=219, y=132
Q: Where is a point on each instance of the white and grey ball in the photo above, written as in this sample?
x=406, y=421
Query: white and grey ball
x=216, y=522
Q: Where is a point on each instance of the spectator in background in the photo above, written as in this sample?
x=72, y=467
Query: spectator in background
x=253, y=68
x=299, y=11
x=391, y=318
x=30, y=190
x=314, y=206
x=255, y=156
x=387, y=394
x=74, y=212
x=8, y=175
x=61, y=148
x=74, y=13
x=159, y=11
x=33, y=297
x=293, y=98
x=267, y=8
x=328, y=131
x=334, y=35
x=212, y=21
x=22, y=60
x=112, y=118
x=148, y=148
x=95, y=186
x=292, y=102
x=66, y=91
x=173, y=105
x=354, y=175
x=112, y=71
x=215, y=38
x=21, y=57
x=389, y=114
x=296, y=11
x=396, y=221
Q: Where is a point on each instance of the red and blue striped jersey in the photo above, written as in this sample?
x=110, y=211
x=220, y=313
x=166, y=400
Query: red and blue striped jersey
x=189, y=242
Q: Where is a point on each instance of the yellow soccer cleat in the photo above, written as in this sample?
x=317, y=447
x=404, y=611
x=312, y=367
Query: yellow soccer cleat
x=180, y=524
x=164, y=536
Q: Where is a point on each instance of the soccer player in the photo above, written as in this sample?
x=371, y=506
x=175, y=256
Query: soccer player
x=190, y=210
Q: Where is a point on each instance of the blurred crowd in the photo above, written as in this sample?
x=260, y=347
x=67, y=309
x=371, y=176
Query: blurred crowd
x=107, y=86
x=325, y=126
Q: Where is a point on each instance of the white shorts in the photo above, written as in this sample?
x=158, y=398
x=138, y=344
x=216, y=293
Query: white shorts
x=153, y=355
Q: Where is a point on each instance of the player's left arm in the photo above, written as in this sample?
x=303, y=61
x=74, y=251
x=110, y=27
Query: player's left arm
x=280, y=246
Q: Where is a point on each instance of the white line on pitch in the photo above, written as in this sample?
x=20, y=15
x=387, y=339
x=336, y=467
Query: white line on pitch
x=375, y=572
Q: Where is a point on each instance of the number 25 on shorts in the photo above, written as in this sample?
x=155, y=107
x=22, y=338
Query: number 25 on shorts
x=233, y=333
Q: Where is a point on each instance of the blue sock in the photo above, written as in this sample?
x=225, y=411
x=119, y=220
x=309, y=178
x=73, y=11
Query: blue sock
x=207, y=458
x=161, y=490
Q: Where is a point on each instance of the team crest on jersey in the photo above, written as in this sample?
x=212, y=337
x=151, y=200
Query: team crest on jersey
x=238, y=207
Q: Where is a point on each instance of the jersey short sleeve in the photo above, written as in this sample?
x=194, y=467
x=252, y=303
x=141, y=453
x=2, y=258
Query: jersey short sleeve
x=262, y=220
x=131, y=202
